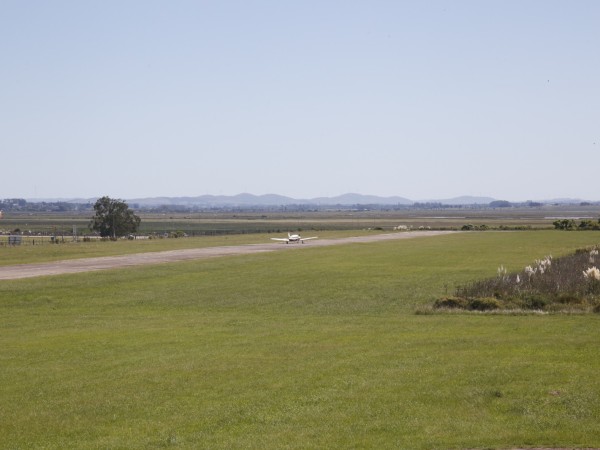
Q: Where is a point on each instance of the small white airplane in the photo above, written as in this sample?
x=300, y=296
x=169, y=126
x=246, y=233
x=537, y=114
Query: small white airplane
x=294, y=238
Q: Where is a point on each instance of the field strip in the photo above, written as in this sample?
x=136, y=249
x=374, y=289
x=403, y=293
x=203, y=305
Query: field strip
x=139, y=259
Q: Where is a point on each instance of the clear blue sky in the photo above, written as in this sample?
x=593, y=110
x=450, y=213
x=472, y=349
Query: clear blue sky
x=421, y=99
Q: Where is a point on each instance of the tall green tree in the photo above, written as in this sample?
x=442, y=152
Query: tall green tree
x=113, y=218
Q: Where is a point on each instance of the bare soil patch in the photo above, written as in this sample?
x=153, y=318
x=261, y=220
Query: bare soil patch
x=139, y=259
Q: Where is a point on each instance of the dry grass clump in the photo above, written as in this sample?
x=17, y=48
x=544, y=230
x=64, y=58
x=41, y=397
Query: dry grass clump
x=570, y=283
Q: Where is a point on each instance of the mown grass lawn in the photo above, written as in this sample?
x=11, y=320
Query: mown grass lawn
x=318, y=348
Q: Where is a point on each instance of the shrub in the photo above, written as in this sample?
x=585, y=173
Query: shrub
x=568, y=299
x=484, y=304
x=564, y=224
x=535, y=301
x=451, y=302
x=548, y=284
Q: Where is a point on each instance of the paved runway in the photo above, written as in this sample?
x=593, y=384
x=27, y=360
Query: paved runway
x=139, y=259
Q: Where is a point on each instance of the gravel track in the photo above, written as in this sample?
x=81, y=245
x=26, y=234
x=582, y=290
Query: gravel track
x=140, y=259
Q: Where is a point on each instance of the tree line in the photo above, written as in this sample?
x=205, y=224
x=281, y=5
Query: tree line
x=570, y=224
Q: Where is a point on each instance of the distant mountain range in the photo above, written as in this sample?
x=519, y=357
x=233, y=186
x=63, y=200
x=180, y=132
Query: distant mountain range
x=272, y=200
x=280, y=200
x=344, y=200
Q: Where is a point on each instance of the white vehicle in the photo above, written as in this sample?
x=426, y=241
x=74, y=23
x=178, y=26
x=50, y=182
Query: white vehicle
x=294, y=238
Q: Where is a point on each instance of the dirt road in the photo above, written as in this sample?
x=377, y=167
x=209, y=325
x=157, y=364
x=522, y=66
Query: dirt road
x=139, y=259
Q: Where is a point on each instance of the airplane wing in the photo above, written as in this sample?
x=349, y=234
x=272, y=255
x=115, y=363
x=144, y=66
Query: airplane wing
x=280, y=239
x=306, y=239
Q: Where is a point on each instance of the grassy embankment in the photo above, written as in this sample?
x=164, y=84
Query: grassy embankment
x=313, y=349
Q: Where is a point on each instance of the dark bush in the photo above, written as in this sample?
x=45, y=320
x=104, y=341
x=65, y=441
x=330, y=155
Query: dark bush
x=484, y=304
x=569, y=299
x=451, y=302
x=535, y=301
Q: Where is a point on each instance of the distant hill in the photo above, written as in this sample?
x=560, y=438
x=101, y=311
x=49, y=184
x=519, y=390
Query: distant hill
x=218, y=200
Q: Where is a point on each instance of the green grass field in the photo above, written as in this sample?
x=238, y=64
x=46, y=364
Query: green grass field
x=319, y=348
x=222, y=222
